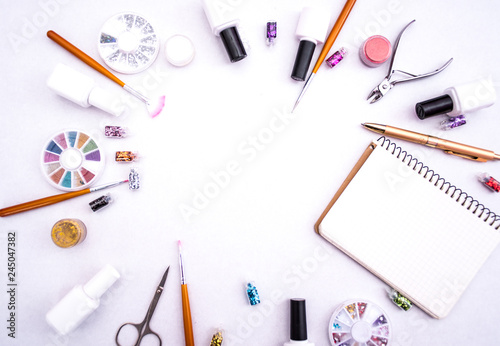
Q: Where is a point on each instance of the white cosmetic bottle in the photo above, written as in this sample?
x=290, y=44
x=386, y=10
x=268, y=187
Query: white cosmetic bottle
x=81, y=301
x=225, y=25
x=83, y=91
x=459, y=100
x=298, y=323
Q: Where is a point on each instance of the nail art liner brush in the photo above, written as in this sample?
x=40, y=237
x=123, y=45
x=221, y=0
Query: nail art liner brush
x=42, y=202
x=186, y=310
x=326, y=47
x=153, y=108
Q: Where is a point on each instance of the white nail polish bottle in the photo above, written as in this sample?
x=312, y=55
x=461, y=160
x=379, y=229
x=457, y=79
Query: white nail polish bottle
x=81, y=301
x=225, y=25
x=459, y=100
x=311, y=31
x=83, y=91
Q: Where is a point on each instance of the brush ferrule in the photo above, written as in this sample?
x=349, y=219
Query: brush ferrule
x=105, y=186
x=136, y=94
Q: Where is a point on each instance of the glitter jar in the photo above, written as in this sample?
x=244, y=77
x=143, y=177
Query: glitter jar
x=336, y=57
x=111, y=131
x=126, y=156
x=68, y=232
x=217, y=338
x=375, y=51
x=271, y=33
x=252, y=293
x=490, y=182
x=101, y=202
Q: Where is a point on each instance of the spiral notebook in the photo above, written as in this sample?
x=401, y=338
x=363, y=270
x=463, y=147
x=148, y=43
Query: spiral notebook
x=407, y=225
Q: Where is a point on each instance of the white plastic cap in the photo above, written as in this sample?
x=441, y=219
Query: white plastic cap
x=101, y=282
x=219, y=17
x=470, y=97
x=313, y=24
x=82, y=90
x=179, y=50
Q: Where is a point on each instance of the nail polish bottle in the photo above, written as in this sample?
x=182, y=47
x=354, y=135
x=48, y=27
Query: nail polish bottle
x=81, y=301
x=298, y=323
x=311, y=30
x=459, y=100
x=83, y=91
x=226, y=27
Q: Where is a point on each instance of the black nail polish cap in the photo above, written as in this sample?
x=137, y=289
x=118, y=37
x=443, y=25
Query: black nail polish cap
x=298, y=325
x=303, y=60
x=436, y=106
x=232, y=42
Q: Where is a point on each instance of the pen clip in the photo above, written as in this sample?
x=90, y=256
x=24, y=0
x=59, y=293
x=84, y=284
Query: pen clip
x=465, y=156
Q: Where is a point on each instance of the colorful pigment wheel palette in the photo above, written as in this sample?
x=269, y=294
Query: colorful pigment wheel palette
x=72, y=160
x=128, y=43
x=360, y=323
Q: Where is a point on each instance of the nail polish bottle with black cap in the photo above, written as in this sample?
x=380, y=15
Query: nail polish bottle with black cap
x=226, y=27
x=298, y=324
x=459, y=100
x=311, y=30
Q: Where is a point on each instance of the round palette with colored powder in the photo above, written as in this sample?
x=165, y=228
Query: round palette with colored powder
x=72, y=160
x=128, y=43
x=359, y=322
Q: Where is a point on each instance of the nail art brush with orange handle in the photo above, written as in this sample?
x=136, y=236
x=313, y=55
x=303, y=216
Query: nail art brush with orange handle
x=153, y=108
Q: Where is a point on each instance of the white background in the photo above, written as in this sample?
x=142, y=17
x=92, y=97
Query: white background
x=259, y=225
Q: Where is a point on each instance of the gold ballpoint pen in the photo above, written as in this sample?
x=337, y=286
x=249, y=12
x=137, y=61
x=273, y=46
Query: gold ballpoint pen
x=449, y=147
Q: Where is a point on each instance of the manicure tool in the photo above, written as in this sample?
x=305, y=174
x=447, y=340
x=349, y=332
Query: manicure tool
x=380, y=90
x=143, y=328
x=328, y=44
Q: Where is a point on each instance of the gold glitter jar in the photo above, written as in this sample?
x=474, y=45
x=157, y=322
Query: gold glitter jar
x=68, y=232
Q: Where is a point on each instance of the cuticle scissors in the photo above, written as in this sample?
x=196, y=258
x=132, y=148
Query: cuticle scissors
x=143, y=328
x=380, y=90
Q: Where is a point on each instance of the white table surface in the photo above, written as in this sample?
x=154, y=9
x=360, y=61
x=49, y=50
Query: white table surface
x=220, y=116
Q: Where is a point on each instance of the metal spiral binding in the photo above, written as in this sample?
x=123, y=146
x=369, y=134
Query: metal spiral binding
x=454, y=192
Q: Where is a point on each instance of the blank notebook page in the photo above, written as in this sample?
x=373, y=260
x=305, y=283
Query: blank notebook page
x=409, y=232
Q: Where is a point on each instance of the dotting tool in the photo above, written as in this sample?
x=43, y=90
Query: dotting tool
x=328, y=44
x=186, y=310
x=154, y=109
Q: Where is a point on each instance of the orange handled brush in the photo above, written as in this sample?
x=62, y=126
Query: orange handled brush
x=42, y=202
x=186, y=309
x=154, y=109
x=328, y=44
